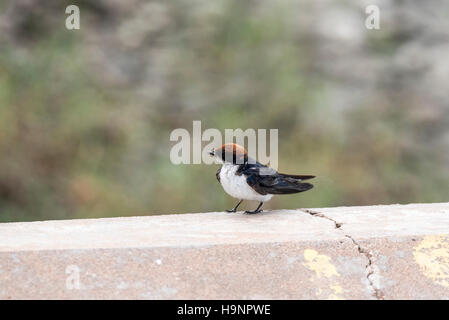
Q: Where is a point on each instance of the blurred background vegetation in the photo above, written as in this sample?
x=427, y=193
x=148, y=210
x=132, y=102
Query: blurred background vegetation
x=85, y=115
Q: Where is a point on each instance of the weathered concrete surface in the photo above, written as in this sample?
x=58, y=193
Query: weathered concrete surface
x=378, y=252
x=408, y=246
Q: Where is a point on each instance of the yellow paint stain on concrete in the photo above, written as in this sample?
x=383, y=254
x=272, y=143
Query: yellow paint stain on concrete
x=323, y=268
x=432, y=256
x=319, y=263
x=337, y=290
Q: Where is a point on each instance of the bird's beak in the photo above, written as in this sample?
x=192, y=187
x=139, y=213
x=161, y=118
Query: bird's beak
x=212, y=153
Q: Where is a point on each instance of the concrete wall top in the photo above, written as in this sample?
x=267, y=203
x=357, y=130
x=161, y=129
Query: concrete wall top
x=372, y=252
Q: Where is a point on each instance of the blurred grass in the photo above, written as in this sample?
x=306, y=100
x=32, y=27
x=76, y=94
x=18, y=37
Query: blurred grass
x=85, y=117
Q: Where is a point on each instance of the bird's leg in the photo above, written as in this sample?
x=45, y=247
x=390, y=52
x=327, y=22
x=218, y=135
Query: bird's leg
x=236, y=206
x=257, y=210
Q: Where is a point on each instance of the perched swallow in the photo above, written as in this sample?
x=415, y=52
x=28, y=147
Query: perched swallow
x=246, y=179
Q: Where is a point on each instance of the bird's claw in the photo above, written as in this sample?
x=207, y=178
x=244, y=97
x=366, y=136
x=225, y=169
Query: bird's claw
x=253, y=212
x=231, y=211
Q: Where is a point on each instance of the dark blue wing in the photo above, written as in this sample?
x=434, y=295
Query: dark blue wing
x=265, y=180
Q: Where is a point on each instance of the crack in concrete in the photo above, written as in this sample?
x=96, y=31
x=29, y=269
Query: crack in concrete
x=316, y=213
x=369, y=268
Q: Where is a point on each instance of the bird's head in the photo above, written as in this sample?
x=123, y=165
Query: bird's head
x=230, y=153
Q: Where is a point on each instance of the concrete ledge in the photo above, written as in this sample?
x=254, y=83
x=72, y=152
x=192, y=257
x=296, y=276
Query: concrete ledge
x=375, y=252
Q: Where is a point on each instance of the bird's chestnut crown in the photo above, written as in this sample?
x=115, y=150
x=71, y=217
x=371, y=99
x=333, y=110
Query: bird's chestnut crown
x=231, y=153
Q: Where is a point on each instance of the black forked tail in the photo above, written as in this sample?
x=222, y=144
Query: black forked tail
x=290, y=187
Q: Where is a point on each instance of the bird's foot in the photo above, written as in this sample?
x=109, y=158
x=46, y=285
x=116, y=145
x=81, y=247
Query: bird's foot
x=257, y=209
x=253, y=212
x=235, y=208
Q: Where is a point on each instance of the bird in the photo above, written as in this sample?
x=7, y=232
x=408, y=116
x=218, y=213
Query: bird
x=244, y=178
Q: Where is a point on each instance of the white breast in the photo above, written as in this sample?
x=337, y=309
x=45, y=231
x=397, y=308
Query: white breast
x=237, y=187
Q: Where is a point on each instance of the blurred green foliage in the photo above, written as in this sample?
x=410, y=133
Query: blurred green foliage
x=85, y=116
